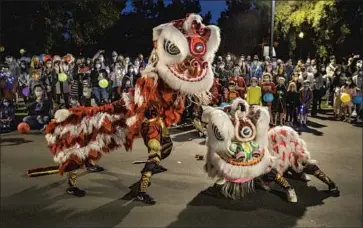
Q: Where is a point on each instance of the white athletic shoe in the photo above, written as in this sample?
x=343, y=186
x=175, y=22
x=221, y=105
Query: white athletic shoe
x=291, y=196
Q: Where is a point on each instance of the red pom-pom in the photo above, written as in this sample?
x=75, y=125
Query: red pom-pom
x=23, y=128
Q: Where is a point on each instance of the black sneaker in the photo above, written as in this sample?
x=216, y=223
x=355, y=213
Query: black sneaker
x=76, y=191
x=158, y=169
x=145, y=198
x=94, y=168
x=334, y=190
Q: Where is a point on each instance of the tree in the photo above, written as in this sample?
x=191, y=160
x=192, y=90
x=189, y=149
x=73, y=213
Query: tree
x=243, y=26
x=50, y=26
x=320, y=21
x=22, y=27
x=207, y=18
x=89, y=19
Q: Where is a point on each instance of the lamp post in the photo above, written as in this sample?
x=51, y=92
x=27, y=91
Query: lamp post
x=301, y=36
x=272, y=27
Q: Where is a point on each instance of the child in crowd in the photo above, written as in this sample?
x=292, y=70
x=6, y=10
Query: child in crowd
x=278, y=107
x=306, y=97
x=7, y=114
x=337, y=103
x=38, y=110
x=76, y=89
x=292, y=103
x=350, y=89
x=296, y=80
x=254, y=93
x=268, y=86
x=86, y=90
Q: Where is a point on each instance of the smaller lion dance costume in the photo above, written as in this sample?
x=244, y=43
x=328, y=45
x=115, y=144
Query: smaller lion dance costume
x=179, y=67
x=242, y=148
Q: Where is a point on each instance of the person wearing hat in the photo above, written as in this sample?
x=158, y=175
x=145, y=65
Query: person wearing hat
x=232, y=93
x=306, y=97
x=241, y=86
x=254, y=93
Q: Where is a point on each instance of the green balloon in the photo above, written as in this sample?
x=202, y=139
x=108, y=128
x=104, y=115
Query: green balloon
x=103, y=83
x=62, y=77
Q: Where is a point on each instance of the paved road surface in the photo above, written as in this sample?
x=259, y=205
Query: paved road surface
x=41, y=201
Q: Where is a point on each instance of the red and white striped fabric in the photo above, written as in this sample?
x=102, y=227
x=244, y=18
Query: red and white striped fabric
x=286, y=145
x=84, y=133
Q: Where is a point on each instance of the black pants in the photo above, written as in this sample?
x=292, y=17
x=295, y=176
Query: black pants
x=114, y=94
x=316, y=102
x=291, y=113
x=65, y=97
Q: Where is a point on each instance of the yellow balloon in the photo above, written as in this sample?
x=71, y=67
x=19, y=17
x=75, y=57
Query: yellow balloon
x=345, y=97
x=103, y=83
x=22, y=51
x=62, y=77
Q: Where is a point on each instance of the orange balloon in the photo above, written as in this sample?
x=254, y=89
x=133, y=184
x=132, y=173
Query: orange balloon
x=23, y=128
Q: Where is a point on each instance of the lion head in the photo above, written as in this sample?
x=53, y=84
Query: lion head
x=237, y=142
x=183, y=53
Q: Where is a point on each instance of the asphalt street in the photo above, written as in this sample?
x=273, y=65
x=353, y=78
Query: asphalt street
x=42, y=201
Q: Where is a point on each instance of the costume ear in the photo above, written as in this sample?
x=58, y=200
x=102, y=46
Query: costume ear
x=157, y=30
x=206, y=112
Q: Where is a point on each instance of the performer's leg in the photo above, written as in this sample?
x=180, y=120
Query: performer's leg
x=92, y=167
x=280, y=180
x=72, y=189
x=316, y=171
x=150, y=168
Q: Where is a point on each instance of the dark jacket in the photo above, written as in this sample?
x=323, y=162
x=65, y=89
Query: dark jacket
x=39, y=109
x=292, y=99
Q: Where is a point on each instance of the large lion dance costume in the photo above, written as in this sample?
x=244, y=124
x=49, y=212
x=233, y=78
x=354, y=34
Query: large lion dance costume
x=242, y=148
x=179, y=67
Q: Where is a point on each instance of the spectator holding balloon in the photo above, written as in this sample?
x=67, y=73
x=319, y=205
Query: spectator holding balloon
x=99, y=81
x=348, y=91
x=268, y=91
x=62, y=85
x=24, y=80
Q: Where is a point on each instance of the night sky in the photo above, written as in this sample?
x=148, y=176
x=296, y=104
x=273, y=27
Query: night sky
x=214, y=6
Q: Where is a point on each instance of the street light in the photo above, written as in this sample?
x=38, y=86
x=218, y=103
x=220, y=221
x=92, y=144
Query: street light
x=301, y=36
x=272, y=28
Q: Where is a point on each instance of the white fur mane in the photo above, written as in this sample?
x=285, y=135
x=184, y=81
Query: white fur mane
x=169, y=32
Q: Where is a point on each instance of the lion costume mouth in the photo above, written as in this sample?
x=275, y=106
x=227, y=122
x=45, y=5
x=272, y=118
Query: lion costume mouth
x=236, y=161
x=190, y=70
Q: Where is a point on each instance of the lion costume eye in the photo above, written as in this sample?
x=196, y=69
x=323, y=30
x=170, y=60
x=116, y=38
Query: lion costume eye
x=217, y=133
x=246, y=132
x=171, y=48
